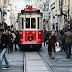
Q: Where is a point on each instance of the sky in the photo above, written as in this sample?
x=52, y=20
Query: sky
x=21, y=4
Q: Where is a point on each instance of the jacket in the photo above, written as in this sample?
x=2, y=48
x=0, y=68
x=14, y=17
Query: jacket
x=68, y=37
x=4, y=41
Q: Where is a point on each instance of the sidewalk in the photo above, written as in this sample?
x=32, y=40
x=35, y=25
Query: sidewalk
x=60, y=63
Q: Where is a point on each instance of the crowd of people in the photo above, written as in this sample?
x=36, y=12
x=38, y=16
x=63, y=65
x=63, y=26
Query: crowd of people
x=8, y=38
x=63, y=37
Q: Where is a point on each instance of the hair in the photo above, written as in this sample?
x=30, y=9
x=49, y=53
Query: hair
x=3, y=30
x=68, y=29
x=12, y=31
x=17, y=31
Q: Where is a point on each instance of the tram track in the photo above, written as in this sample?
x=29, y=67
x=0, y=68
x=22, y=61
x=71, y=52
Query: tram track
x=45, y=62
x=25, y=64
x=23, y=61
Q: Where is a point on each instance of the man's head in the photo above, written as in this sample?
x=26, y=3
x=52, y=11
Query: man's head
x=17, y=32
x=9, y=32
x=3, y=31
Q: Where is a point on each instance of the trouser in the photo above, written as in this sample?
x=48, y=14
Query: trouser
x=61, y=45
x=10, y=46
x=16, y=43
x=68, y=49
x=4, y=57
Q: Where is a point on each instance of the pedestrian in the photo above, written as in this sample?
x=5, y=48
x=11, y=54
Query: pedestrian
x=10, y=42
x=68, y=42
x=63, y=40
x=45, y=36
x=59, y=40
x=51, y=44
x=4, y=42
x=17, y=40
x=14, y=37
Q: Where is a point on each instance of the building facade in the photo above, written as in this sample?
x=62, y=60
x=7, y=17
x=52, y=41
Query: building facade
x=58, y=14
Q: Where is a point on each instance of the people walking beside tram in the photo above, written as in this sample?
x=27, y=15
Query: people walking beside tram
x=17, y=40
x=4, y=42
x=10, y=42
x=68, y=42
x=14, y=37
x=45, y=36
x=51, y=44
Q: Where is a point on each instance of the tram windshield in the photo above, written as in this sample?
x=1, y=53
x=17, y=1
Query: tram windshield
x=30, y=23
x=27, y=22
x=33, y=23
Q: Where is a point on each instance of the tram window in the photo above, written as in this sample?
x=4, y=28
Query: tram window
x=27, y=22
x=33, y=23
x=22, y=23
x=38, y=22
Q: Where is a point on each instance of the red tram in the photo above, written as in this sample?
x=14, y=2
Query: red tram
x=30, y=27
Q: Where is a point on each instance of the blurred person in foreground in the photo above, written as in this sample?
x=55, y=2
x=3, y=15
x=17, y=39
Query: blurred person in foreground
x=4, y=42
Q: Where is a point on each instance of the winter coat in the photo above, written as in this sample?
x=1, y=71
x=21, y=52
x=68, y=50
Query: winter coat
x=10, y=38
x=17, y=40
x=51, y=43
x=68, y=37
x=59, y=38
x=4, y=41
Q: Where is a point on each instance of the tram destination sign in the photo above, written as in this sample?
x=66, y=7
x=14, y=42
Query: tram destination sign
x=30, y=9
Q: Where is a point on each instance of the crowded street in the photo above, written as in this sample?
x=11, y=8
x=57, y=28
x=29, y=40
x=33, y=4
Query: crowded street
x=35, y=35
x=37, y=61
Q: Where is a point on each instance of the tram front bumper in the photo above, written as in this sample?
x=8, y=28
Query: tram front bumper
x=31, y=45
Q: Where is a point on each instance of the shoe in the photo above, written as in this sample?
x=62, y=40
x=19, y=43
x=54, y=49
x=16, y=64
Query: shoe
x=0, y=67
x=68, y=57
x=8, y=51
x=52, y=57
x=7, y=67
x=15, y=49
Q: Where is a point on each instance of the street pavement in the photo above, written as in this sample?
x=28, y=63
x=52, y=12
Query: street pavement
x=60, y=63
x=15, y=60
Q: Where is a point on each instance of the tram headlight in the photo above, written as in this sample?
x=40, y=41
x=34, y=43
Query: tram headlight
x=30, y=38
x=33, y=32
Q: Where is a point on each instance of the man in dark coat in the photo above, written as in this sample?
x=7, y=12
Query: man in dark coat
x=4, y=42
x=10, y=41
x=17, y=40
x=51, y=44
x=68, y=42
